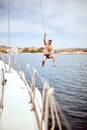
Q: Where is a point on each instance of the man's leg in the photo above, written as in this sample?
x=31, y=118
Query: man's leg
x=52, y=56
x=43, y=61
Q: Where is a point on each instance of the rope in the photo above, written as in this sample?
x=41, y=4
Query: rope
x=46, y=110
x=56, y=113
x=43, y=21
x=53, y=106
x=50, y=102
x=43, y=103
x=52, y=112
x=32, y=94
x=33, y=88
x=63, y=118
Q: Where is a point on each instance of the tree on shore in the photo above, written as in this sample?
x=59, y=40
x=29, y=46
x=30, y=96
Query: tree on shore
x=39, y=50
x=3, y=51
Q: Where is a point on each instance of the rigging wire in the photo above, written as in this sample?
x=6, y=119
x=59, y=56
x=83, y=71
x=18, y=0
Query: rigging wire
x=9, y=25
x=9, y=32
x=43, y=19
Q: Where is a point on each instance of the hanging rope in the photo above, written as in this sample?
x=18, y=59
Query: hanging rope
x=43, y=20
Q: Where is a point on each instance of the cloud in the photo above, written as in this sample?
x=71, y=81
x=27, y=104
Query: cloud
x=20, y=26
x=65, y=20
x=70, y=16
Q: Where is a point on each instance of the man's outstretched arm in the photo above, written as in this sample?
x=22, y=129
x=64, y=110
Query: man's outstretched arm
x=44, y=38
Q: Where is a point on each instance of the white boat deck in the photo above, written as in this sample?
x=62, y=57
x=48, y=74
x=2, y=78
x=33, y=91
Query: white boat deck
x=16, y=113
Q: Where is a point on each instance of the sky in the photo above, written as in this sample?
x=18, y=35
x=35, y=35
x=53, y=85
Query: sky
x=64, y=21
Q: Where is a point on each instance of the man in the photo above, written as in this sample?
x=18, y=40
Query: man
x=48, y=52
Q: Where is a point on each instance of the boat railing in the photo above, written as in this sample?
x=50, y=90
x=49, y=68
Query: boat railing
x=45, y=104
x=41, y=104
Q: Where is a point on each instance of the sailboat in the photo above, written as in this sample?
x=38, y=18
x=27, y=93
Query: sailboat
x=23, y=106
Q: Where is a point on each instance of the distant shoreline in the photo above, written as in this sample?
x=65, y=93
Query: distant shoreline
x=43, y=53
x=34, y=50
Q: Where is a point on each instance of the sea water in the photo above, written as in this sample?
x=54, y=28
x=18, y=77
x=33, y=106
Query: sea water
x=69, y=80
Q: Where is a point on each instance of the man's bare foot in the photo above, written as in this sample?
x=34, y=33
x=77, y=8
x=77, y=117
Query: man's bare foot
x=55, y=65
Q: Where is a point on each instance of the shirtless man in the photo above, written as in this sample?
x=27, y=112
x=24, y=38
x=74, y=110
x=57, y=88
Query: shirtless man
x=48, y=51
